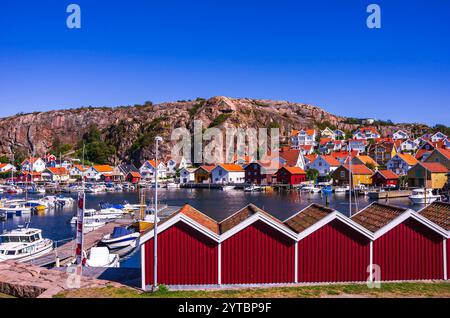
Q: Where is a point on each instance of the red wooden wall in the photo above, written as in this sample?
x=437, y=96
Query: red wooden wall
x=258, y=254
x=333, y=253
x=185, y=257
x=410, y=251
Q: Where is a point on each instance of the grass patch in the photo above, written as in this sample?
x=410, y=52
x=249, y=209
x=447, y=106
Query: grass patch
x=435, y=289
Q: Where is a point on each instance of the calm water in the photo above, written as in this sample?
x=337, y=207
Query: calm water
x=215, y=203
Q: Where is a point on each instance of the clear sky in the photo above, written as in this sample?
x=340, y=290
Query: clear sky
x=318, y=52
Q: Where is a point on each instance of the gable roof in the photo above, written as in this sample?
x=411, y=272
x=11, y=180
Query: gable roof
x=134, y=174
x=58, y=171
x=438, y=213
x=332, y=161
x=434, y=167
x=358, y=169
x=31, y=160
x=80, y=167
x=293, y=170
x=152, y=162
x=408, y=158
x=445, y=152
x=231, y=167
x=241, y=215
x=307, y=217
x=377, y=215
x=291, y=156
x=387, y=174
x=103, y=168
x=367, y=160
x=207, y=168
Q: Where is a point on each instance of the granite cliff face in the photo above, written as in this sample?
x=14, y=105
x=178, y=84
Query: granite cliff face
x=132, y=129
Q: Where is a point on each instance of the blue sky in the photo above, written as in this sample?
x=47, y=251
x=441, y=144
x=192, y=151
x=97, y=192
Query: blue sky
x=317, y=52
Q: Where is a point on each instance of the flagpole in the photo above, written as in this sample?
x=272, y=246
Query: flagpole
x=155, y=220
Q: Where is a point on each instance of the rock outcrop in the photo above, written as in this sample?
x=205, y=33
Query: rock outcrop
x=132, y=129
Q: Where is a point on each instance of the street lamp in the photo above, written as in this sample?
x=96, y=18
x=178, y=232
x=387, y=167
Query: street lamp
x=155, y=218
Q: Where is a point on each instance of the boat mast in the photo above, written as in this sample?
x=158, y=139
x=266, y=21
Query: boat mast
x=350, y=177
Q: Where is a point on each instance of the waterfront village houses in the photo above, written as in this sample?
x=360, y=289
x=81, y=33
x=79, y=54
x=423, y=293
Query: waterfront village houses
x=361, y=175
x=440, y=155
x=56, y=174
x=358, y=145
x=435, y=173
x=438, y=137
x=408, y=145
x=99, y=172
x=78, y=171
x=187, y=175
x=328, y=133
x=401, y=163
x=33, y=164
x=148, y=170
x=6, y=167
x=228, y=173
x=325, y=165
x=303, y=138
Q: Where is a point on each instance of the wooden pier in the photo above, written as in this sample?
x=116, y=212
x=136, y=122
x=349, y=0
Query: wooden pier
x=375, y=195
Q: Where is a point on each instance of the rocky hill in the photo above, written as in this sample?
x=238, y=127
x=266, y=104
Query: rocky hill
x=131, y=129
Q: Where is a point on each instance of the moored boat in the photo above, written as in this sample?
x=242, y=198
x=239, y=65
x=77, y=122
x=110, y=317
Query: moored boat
x=121, y=237
x=423, y=196
x=101, y=257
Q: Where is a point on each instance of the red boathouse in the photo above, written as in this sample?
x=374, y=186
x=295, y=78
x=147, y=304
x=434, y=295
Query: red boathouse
x=256, y=248
x=405, y=245
x=291, y=175
x=331, y=248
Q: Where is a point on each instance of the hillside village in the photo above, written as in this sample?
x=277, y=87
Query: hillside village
x=372, y=159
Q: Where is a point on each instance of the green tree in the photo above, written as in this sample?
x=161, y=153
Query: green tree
x=95, y=149
x=312, y=174
x=4, y=159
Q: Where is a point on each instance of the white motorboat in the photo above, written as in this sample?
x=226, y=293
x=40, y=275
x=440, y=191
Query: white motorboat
x=173, y=185
x=341, y=189
x=423, y=196
x=227, y=188
x=23, y=244
x=253, y=188
x=121, y=237
x=101, y=257
x=15, y=208
x=315, y=190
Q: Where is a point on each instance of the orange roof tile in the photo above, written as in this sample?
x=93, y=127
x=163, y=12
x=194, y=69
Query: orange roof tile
x=359, y=169
x=294, y=170
x=58, y=171
x=434, y=167
x=332, y=161
x=387, y=174
x=367, y=159
x=232, y=167
x=408, y=158
x=103, y=168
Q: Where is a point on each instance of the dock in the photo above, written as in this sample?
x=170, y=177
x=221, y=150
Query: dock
x=375, y=195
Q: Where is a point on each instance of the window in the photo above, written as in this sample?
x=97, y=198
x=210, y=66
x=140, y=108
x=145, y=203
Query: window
x=342, y=174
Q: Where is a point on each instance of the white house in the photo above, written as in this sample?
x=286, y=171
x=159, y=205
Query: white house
x=328, y=133
x=33, y=164
x=7, y=167
x=148, y=170
x=408, y=145
x=339, y=134
x=400, y=134
x=78, y=170
x=56, y=174
x=228, y=173
x=401, y=163
x=358, y=145
x=303, y=138
x=172, y=165
x=98, y=172
x=325, y=164
x=366, y=133
x=438, y=137
x=187, y=175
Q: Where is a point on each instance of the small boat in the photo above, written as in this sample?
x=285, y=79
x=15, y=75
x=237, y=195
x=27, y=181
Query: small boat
x=341, y=189
x=121, y=237
x=173, y=185
x=17, y=209
x=227, y=188
x=101, y=257
x=23, y=244
x=253, y=188
x=423, y=196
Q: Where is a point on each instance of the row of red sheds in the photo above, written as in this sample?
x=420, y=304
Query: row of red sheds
x=316, y=245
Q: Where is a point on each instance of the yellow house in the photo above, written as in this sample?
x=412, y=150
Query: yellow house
x=361, y=175
x=435, y=174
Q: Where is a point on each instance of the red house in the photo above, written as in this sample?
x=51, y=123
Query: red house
x=385, y=178
x=133, y=177
x=259, y=173
x=331, y=247
x=291, y=175
x=405, y=245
